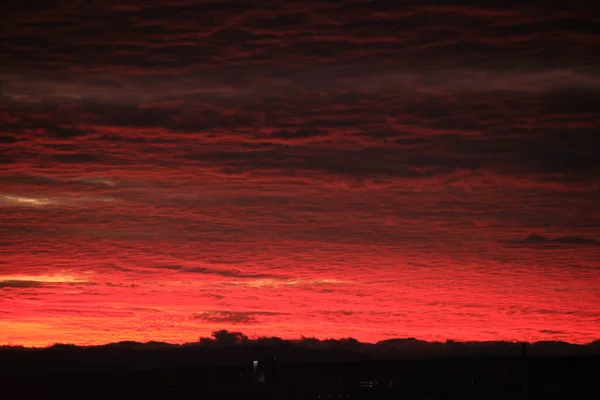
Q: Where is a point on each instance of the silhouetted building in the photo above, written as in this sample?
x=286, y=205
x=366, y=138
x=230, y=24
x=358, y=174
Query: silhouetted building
x=524, y=349
x=265, y=371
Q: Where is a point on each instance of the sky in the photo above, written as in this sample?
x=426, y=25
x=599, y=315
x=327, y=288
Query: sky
x=367, y=169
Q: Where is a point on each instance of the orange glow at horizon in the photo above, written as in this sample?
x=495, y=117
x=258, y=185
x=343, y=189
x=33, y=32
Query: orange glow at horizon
x=175, y=305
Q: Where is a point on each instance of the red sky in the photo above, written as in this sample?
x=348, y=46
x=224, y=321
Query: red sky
x=332, y=169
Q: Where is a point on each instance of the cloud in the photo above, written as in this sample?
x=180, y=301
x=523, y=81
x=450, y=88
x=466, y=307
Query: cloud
x=358, y=156
x=18, y=284
x=35, y=201
x=550, y=331
x=228, y=273
x=233, y=317
x=96, y=181
x=222, y=272
x=273, y=283
x=538, y=240
x=27, y=201
x=55, y=278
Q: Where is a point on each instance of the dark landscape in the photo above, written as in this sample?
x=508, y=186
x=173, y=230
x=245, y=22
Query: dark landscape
x=231, y=366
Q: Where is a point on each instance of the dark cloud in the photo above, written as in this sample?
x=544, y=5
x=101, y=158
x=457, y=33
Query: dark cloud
x=552, y=332
x=539, y=240
x=8, y=139
x=167, y=267
x=229, y=273
x=20, y=284
x=195, y=35
x=222, y=272
x=76, y=158
x=233, y=317
x=130, y=285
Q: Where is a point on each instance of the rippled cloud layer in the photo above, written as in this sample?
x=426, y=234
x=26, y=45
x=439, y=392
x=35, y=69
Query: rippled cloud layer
x=371, y=169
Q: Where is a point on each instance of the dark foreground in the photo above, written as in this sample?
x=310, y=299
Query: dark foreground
x=514, y=378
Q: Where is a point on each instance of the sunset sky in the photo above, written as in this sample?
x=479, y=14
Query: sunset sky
x=367, y=169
